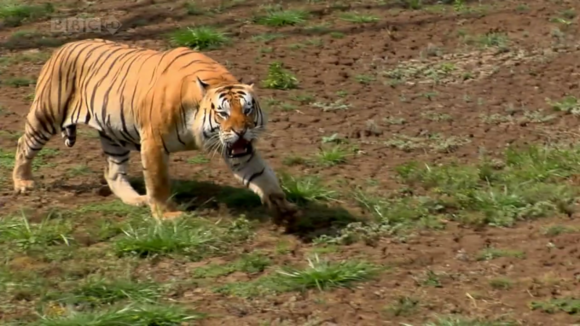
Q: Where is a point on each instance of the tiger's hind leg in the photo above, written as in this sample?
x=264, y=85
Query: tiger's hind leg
x=116, y=172
x=37, y=132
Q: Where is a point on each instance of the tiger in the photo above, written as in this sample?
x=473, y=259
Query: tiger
x=153, y=102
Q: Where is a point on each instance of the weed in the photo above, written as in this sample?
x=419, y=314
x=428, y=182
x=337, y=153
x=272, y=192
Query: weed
x=568, y=104
x=358, y=18
x=199, y=38
x=493, y=253
x=501, y=283
x=555, y=230
x=403, y=306
x=138, y=315
x=464, y=321
x=19, y=82
x=568, y=305
x=306, y=189
x=248, y=263
x=276, y=17
x=198, y=160
x=364, y=79
x=320, y=274
x=266, y=37
x=14, y=13
x=336, y=105
x=323, y=274
x=20, y=232
x=333, y=156
x=525, y=187
x=279, y=78
x=194, y=239
x=101, y=291
x=500, y=41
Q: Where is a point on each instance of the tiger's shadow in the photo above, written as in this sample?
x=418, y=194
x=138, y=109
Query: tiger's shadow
x=316, y=219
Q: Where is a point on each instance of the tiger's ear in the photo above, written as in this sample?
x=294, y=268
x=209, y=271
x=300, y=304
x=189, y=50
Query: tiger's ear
x=202, y=86
x=250, y=84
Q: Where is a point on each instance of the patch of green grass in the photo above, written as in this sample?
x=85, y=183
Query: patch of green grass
x=303, y=98
x=194, y=9
x=403, y=306
x=319, y=274
x=569, y=305
x=334, y=106
x=19, y=82
x=248, y=263
x=455, y=320
x=358, y=18
x=337, y=35
x=277, y=17
x=294, y=160
x=499, y=41
x=305, y=189
x=365, y=79
x=324, y=275
x=137, y=315
x=279, y=78
x=526, y=184
x=34, y=37
x=568, y=104
x=501, y=283
x=13, y=13
x=199, y=159
x=199, y=38
x=21, y=233
x=332, y=156
x=100, y=291
x=79, y=170
x=555, y=230
x=493, y=253
x=195, y=238
x=266, y=37
x=28, y=57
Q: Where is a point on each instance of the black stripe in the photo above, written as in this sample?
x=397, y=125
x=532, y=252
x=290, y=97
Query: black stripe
x=115, y=154
x=164, y=146
x=175, y=59
x=123, y=161
x=253, y=176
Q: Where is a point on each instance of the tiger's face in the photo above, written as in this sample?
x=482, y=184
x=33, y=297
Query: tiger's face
x=234, y=120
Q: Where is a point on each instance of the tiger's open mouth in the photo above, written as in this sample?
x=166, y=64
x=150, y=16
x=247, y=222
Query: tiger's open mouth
x=240, y=148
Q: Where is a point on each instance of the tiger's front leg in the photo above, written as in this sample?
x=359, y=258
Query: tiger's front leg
x=157, y=183
x=255, y=174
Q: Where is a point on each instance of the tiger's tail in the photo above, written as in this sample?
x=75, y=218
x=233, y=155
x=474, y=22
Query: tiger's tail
x=47, y=113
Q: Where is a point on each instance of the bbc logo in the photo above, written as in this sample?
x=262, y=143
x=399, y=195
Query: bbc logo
x=84, y=25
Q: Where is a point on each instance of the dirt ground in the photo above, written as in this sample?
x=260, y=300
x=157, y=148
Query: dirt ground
x=421, y=85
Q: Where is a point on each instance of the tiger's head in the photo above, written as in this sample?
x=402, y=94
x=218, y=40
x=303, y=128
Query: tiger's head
x=233, y=119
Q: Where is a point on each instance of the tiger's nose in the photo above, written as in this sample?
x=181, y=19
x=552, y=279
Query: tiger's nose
x=239, y=132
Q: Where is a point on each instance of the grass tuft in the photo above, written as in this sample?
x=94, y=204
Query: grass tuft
x=199, y=38
x=324, y=275
x=195, y=239
x=279, y=78
x=13, y=13
x=305, y=189
x=135, y=315
x=276, y=17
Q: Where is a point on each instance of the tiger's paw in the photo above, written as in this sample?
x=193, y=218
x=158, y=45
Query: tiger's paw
x=165, y=212
x=23, y=186
x=169, y=216
x=137, y=201
x=284, y=210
